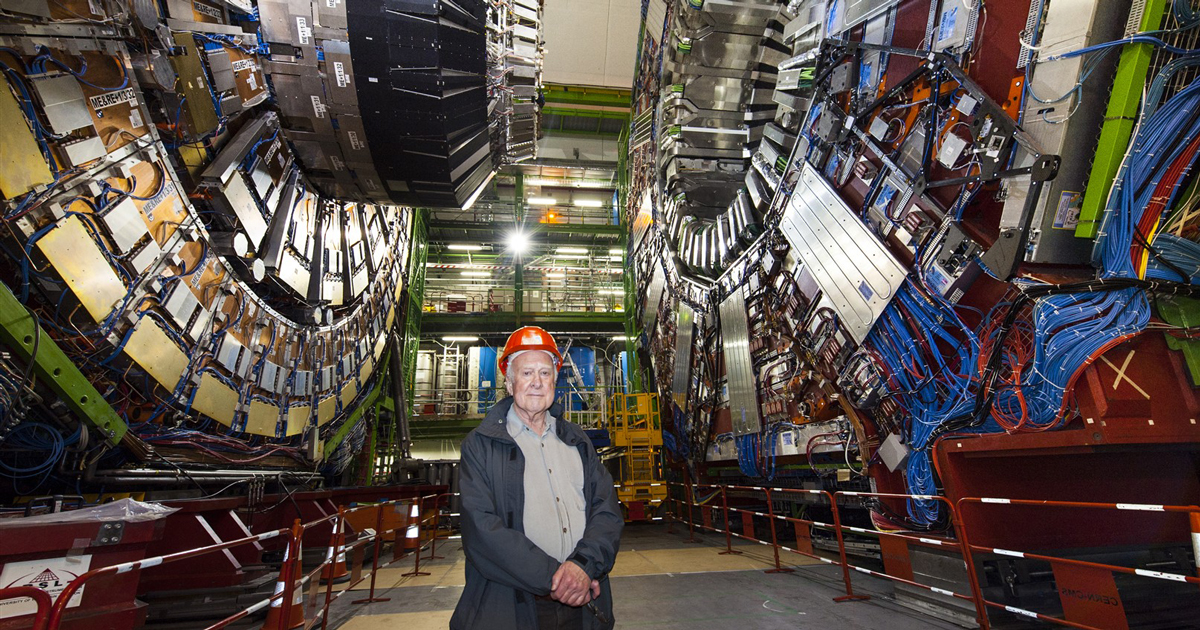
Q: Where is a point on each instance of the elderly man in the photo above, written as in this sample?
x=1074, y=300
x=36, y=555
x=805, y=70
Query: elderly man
x=540, y=522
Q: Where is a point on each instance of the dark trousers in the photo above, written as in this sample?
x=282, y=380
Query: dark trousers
x=554, y=615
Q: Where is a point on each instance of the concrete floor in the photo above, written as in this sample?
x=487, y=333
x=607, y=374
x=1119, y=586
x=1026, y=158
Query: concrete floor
x=660, y=582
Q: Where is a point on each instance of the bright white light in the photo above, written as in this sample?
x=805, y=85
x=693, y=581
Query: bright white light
x=542, y=201
x=615, y=258
x=611, y=292
x=588, y=203
x=556, y=275
x=463, y=247
x=591, y=184
x=453, y=339
x=456, y=297
x=518, y=242
x=571, y=250
x=616, y=252
x=620, y=338
x=543, y=182
x=477, y=274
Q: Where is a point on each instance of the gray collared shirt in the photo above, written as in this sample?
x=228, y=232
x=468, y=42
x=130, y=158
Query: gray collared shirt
x=555, y=514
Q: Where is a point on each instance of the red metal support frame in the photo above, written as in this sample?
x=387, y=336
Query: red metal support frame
x=728, y=529
x=968, y=548
x=40, y=598
x=417, y=553
x=437, y=518
x=370, y=599
x=774, y=539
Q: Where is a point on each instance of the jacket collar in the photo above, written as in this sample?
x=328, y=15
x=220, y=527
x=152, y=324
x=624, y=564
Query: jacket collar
x=494, y=426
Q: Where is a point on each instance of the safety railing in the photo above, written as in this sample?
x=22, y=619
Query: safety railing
x=685, y=507
x=583, y=406
x=1097, y=576
x=287, y=609
x=41, y=599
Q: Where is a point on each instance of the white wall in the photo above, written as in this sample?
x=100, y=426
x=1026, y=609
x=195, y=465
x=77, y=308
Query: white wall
x=590, y=42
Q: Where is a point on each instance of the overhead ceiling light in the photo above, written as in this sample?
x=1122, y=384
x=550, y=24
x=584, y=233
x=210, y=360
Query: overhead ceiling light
x=571, y=250
x=542, y=201
x=517, y=242
x=454, y=338
x=616, y=252
x=477, y=274
x=464, y=247
x=588, y=203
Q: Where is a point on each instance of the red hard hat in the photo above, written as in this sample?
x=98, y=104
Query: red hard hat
x=529, y=338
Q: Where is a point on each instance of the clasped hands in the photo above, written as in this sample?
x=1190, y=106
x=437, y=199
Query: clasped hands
x=572, y=586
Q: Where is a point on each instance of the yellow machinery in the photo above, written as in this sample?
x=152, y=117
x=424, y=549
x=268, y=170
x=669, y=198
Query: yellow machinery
x=633, y=424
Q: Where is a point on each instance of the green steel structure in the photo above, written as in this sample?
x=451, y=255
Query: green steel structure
x=1119, y=121
x=21, y=332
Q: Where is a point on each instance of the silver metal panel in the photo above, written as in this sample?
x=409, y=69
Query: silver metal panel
x=654, y=293
x=125, y=224
x=681, y=381
x=739, y=372
x=62, y=101
x=859, y=11
x=854, y=270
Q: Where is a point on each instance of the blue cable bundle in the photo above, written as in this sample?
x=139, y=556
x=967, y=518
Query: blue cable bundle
x=929, y=356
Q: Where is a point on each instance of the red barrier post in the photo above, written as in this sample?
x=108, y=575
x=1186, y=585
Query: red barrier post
x=960, y=530
x=292, y=568
x=837, y=528
x=375, y=560
x=437, y=518
x=691, y=490
x=728, y=530
x=338, y=539
x=774, y=540
x=417, y=563
x=39, y=597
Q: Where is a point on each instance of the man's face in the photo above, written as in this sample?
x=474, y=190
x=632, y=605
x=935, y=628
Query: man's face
x=531, y=380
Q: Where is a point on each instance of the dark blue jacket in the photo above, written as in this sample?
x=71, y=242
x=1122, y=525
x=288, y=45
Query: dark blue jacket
x=505, y=570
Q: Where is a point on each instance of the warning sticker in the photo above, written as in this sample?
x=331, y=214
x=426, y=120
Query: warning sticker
x=51, y=575
x=1066, y=215
x=108, y=99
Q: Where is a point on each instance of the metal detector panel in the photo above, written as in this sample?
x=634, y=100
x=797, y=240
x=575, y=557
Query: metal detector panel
x=858, y=274
x=739, y=372
x=685, y=325
x=654, y=293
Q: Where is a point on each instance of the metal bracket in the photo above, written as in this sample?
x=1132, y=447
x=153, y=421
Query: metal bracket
x=109, y=534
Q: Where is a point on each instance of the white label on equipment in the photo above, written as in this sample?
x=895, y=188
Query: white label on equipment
x=332, y=4
x=50, y=574
x=252, y=81
x=318, y=108
x=108, y=99
x=243, y=64
x=303, y=31
x=135, y=118
x=355, y=143
x=204, y=9
x=336, y=162
x=339, y=71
